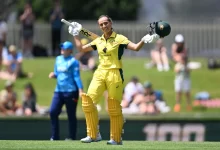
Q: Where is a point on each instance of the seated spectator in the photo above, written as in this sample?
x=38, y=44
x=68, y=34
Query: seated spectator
x=159, y=100
x=13, y=64
x=149, y=102
x=133, y=88
x=87, y=61
x=3, y=63
x=8, y=100
x=178, y=49
x=29, y=100
x=148, y=90
x=159, y=57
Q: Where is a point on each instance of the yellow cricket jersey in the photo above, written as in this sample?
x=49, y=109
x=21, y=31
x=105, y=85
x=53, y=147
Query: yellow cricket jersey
x=110, y=51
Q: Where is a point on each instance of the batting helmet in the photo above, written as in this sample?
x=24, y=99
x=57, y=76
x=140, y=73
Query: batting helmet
x=162, y=28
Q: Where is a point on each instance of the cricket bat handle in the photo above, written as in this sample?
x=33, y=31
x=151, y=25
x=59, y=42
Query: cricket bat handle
x=66, y=22
x=83, y=31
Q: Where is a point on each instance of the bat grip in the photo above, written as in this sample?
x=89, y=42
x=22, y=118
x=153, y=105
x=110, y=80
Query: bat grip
x=66, y=22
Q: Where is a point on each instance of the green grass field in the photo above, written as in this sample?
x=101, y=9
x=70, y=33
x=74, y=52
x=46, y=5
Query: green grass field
x=202, y=80
x=134, y=145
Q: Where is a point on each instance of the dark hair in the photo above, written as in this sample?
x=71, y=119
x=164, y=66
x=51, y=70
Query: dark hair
x=30, y=86
x=134, y=79
x=152, y=92
x=28, y=2
x=1, y=42
x=109, y=19
x=180, y=48
x=56, y=1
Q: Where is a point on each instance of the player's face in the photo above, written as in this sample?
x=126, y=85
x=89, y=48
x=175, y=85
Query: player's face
x=65, y=53
x=105, y=25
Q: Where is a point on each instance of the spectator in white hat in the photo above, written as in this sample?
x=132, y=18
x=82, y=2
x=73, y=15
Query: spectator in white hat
x=182, y=84
x=179, y=51
x=3, y=30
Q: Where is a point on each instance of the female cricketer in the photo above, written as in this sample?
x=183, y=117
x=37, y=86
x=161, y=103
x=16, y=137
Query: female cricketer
x=108, y=76
x=68, y=88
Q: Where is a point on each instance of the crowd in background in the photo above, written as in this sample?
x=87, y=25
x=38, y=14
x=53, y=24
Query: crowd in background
x=138, y=98
x=11, y=61
x=9, y=104
x=143, y=99
x=179, y=55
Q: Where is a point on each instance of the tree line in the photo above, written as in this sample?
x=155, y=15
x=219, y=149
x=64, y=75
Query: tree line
x=85, y=9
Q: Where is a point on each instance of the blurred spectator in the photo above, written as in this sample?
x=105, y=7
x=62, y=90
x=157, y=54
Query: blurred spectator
x=133, y=88
x=13, y=64
x=8, y=100
x=87, y=61
x=27, y=19
x=213, y=63
x=179, y=51
x=56, y=25
x=159, y=57
x=29, y=100
x=158, y=95
x=3, y=62
x=3, y=30
x=182, y=84
x=3, y=54
x=149, y=102
x=143, y=103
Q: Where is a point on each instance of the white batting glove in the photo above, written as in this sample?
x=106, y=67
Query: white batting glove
x=75, y=29
x=150, y=38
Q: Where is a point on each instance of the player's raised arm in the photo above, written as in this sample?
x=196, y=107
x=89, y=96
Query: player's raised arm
x=80, y=47
x=74, y=30
x=146, y=39
x=157, y=30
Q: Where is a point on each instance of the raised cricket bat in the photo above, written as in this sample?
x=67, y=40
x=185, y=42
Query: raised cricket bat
x=85, y=32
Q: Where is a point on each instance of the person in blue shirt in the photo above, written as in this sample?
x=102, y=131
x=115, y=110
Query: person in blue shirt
x=68, y=88
x=13, y=60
